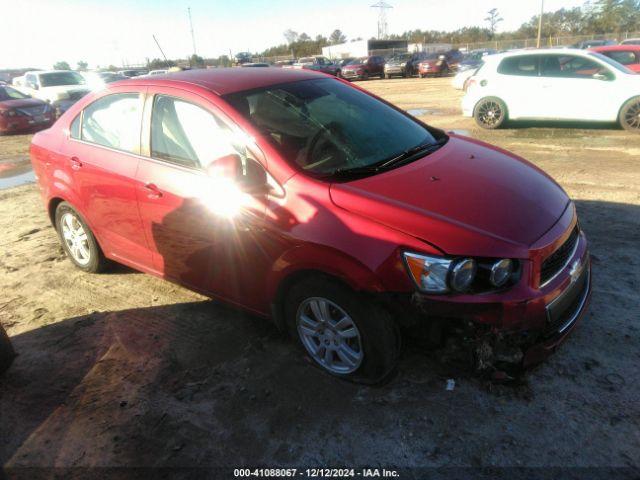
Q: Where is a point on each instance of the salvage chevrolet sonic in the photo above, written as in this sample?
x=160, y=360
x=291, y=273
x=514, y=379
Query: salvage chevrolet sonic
x=302, y=198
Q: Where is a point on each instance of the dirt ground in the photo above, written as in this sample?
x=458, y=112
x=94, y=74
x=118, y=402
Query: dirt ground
x=123, y=369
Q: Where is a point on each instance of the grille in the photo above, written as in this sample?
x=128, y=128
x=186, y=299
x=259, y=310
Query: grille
x=33, y=111
x=558, y=259
x=562, y=312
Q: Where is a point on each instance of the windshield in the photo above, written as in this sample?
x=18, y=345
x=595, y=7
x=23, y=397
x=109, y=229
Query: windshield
x=401, y=58
x=55, y=79
x=358, y=61
x=613, y=63
x=324, y=126
x=8, y=93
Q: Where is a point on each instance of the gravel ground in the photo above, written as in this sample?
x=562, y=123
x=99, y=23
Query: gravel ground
x=123, y=369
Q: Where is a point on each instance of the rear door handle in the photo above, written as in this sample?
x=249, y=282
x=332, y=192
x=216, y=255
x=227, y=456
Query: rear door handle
x=153, y=191
x=76, y=164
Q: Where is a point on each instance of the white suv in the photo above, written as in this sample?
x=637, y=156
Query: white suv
x=553, y=84
x=60, y=88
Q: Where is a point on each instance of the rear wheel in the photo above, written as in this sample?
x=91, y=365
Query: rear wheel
x=630, y=115
x=77, y=240
x=343, y=333
x=490, y=113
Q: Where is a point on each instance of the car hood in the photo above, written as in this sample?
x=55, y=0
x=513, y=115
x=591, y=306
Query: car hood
x=467, y=198
x=21, y=103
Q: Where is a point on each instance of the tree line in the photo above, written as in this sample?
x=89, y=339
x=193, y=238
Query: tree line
x=593, y=18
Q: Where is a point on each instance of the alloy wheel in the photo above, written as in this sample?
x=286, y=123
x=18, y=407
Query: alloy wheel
x=490, y=113
x=329, y=335
x=75, y=238
x=632, y=116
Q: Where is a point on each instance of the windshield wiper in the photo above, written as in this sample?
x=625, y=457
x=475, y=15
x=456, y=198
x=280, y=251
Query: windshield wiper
x=412, y=152
x=395, y=161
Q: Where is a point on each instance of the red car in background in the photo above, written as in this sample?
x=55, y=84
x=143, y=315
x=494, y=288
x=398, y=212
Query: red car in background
x=627, y=55
x=364, y=68
x=440, y=63
x=21, y=113
x=305, y=199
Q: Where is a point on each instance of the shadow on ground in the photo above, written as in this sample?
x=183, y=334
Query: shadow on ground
x=199, y=384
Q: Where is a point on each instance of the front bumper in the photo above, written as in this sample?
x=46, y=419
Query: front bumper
x=352, y=75
x=26, y=123
x=394, y=70
x=535, y=321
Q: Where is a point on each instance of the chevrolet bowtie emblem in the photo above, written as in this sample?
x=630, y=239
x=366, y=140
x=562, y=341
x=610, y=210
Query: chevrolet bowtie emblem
x=576, y=269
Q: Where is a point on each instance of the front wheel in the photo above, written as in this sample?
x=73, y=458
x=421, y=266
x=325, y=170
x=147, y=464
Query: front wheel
x=490, y=113
x=77, y=240
x=630, y=115
x=343, y=333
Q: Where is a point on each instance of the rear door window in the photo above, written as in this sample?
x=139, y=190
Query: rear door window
x=114, y=121
x=524, y=66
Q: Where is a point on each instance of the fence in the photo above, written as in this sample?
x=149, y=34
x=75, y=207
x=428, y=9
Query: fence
x=551, y=41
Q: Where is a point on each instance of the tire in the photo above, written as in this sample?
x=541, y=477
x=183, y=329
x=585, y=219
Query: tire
x=372, y=341
x=387, y=76
x=629, y=117
x=490, y=113
x=74, y=232
x=7, y=354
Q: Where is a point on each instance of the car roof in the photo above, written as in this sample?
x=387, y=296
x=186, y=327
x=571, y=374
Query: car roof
x=222, y=81
x=533, y=51
x=615, y=48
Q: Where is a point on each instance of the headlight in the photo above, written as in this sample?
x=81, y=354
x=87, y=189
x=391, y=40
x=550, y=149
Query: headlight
x=500, y=272
x=462, y=274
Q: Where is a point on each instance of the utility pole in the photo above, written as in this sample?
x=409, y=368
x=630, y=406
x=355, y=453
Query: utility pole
x=382, y=18
x=540, y=23
x=160, y=48
x=193, y=38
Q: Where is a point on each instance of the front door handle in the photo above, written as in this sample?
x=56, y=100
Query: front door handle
x=76, y=164
x=153, y=191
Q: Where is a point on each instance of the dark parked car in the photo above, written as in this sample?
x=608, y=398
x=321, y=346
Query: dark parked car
x=440, y=63
x=593, y=43
x=318, y=64
x=364, y=68
x=21, y=113
x=474, y=58
x=308, y=201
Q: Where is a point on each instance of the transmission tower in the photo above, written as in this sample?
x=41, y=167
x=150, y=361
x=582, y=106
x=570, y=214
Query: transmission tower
x=382, y=7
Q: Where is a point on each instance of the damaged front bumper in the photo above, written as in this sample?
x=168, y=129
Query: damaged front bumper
x=517, y=332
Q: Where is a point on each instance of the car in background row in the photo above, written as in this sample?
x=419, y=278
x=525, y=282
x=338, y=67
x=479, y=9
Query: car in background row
x=301, y=198
x=98, y=80
x=630, y=41
x=628, y=55
x=553, y=84
x=593, y=43
x=60, y=88
x=364, y=68
x=440, y=64
x=317, y=63
x=21, y=113
x=158, y=72
x=398, y=65
x=133, y=72
x=468, y=67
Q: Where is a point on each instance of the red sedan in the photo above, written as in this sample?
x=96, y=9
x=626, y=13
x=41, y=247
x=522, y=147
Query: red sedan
x=307, y=200
x=21, y=113
x=627, y=55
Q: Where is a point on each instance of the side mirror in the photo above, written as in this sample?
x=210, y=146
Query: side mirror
x=249, y=176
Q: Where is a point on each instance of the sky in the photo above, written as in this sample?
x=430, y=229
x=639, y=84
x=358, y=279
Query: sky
x=38, y=33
